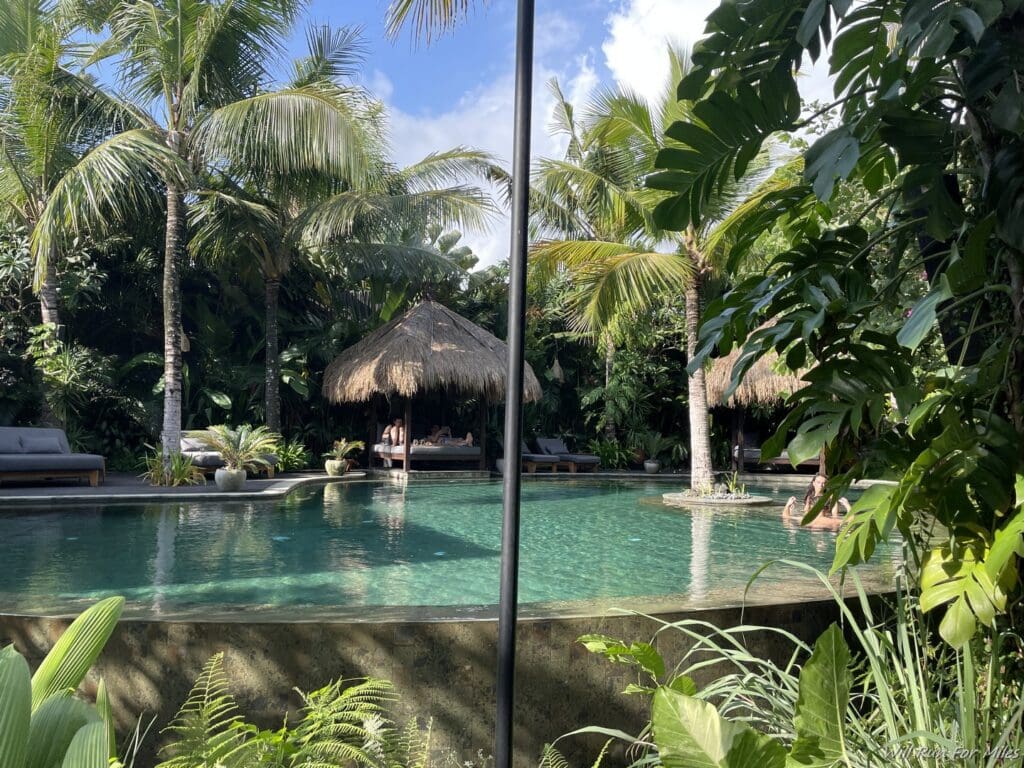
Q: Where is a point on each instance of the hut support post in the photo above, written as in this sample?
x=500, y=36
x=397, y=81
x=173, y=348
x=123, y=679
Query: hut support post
x=481, y=425
x=407, y=446
x=371, y=430
x=507, y=609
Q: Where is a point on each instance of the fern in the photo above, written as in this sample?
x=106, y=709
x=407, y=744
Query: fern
x=552, y=758
x=346, y=724
x=411, y=747
x=205, y=730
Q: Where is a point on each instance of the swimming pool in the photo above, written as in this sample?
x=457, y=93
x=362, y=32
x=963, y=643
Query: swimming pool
x=375, y=550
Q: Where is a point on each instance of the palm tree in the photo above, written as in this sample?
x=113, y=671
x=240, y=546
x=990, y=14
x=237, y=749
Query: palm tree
x=68, y=168
x=341, y=220
x=202, y=66
x=61, y=137
x=594, y=206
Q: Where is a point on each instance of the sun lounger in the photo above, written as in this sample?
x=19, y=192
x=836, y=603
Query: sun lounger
x=533, y=461
x=38, y=453
x=752, y=457
x=554, y=446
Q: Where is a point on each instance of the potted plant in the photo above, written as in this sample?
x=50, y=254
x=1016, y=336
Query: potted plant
x=654, y=445
x=337, y=463
x=242, y=450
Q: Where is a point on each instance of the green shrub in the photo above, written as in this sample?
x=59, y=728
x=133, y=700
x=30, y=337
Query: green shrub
x=42, y=722
x=178, y=470
x=899, y=697
x=344, y=723
x=292, y=455
x=613, y=454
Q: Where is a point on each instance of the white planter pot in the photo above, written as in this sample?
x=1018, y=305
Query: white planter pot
x=229, y=479
x=652, y=467
x=335, y=467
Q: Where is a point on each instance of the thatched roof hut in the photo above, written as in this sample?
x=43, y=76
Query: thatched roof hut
x=429, y=348
x=766, y=383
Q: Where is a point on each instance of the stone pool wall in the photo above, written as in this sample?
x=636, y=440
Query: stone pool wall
x=443, y=670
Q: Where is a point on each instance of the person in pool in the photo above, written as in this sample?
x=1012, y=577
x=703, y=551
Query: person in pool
x=814, y=493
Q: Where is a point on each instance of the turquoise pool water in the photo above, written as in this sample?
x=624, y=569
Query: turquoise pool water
x=375, y=550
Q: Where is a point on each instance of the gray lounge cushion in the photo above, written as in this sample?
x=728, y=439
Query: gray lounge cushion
x=555, y=446
x=189, y=444
x=469, y=451
x=41, y=444
x=10, y=442
x=50, y=462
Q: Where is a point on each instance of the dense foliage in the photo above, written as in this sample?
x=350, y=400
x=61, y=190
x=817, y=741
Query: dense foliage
x=931, y=131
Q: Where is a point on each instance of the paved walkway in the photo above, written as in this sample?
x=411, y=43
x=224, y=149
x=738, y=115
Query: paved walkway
x=126, y=487
x=121, y=487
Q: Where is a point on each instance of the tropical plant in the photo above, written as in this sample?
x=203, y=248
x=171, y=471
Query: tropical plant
x=43, y=722
x=898, y=696
x=344, y=723
x=170, y=470
x=931, y=130
x=342, y=448
x=245, y=447
x=612, y=453
x=205, y=63
x=292, y=455
x=596, y=206
x=654, y=445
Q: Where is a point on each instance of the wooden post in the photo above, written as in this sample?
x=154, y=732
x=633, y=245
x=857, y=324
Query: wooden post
x=482, y=437
x=407, y=448
x=371, y=423
x=740, y=439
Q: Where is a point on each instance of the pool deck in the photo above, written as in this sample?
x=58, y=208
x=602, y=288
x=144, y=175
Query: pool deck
x=123, y=487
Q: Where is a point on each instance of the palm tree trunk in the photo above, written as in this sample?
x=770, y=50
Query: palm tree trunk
x=609, y=362
x=49, y=301
x=700, y=434
x=174, y=244
x=49, y=310
x=272, y=392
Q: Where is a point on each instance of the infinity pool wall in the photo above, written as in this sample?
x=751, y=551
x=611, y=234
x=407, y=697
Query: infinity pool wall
x=443, y=670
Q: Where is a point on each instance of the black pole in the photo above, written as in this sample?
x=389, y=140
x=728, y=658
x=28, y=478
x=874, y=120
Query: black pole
x=514, y=389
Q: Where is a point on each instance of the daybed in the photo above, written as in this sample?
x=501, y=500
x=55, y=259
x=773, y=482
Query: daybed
x=555, y=446
x=752, y=458
x=209, y=461
x=446, y=453
x=41, y=453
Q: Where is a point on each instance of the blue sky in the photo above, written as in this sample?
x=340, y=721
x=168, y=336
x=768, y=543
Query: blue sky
x=458, y=90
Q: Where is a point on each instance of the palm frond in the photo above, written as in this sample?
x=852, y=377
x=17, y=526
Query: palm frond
x=289, y=131
x=388, y=262
x=333, y=54
x=110, y=184
x=563, y=122
x=611, y=280
x=429, y=18
x=382, y=217
x=451, y=166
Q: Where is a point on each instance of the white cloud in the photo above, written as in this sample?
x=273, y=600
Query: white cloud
x=639, y=32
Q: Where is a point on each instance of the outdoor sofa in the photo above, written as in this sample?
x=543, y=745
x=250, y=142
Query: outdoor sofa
x=442, y=453
x=555, y=446
x=210, y=461
x=43, y=453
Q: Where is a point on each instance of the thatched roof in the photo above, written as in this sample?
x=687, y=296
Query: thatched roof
x=763, y=383
x=429, y=348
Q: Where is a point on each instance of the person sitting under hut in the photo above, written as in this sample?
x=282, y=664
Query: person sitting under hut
x=832, y=518
x=394, y=434
x=443, y=436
